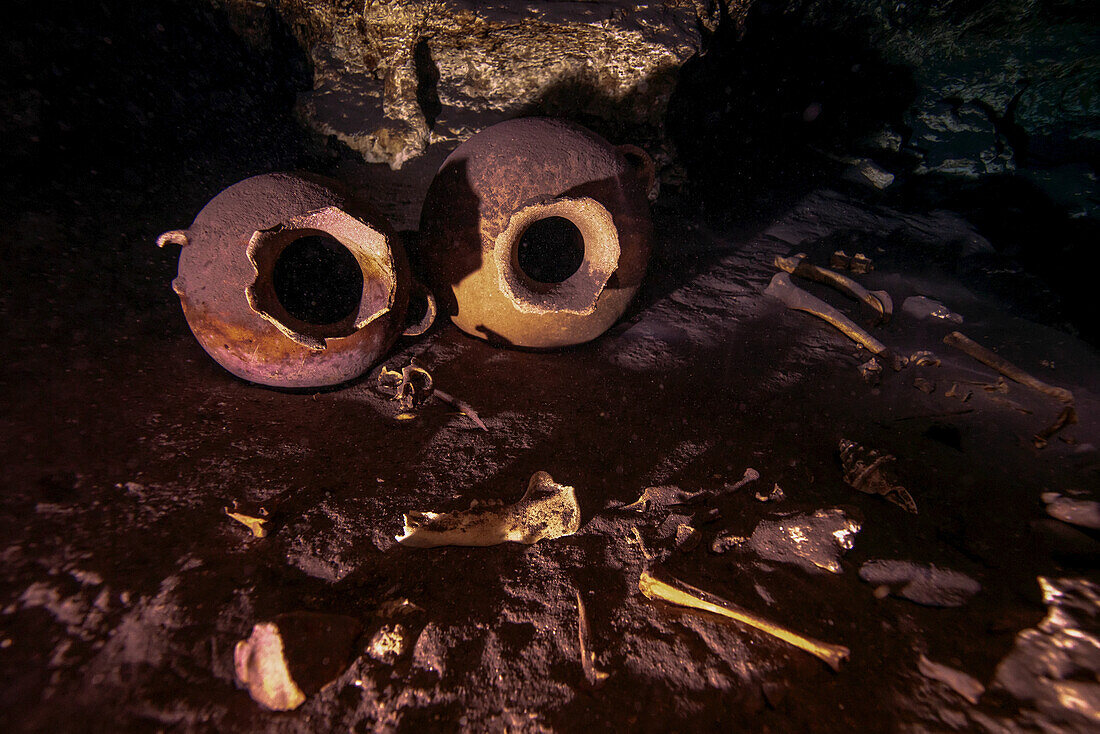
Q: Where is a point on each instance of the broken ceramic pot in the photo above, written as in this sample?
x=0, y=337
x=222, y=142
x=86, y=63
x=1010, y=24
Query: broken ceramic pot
x=536, y=233
x=289, y=281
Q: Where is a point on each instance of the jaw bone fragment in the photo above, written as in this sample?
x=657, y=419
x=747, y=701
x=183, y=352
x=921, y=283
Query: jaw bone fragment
x=794, y=297
x=547, y=510
x=592, y=674
x=977, y=351
x=866, y=470
x=677, y=592
x=880, y=301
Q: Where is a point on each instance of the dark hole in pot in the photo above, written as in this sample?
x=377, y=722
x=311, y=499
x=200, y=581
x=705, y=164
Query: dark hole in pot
x=318, y=280
x=550, y=250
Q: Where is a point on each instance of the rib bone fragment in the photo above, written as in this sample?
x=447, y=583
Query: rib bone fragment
x=547, y=510
x=677, y=592
x=977, y=351
x=592, y=674
x=795, y=298
x=880, y=301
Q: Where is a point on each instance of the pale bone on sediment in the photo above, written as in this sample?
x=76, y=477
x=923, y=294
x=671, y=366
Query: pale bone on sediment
x=797, y=299
x=880, y=301
x=547, y=510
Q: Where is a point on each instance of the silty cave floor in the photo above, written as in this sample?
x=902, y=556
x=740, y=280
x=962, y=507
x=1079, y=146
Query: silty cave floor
x=126, y=586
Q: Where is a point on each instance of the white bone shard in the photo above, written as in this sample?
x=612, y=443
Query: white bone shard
x=547, y=510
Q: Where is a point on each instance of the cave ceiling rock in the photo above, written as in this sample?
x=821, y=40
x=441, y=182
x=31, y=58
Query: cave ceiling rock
x=391, y=77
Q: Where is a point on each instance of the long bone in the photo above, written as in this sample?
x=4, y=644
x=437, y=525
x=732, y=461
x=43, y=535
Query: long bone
x=964, y=343
x=677, y=592
x=880, y=301
x=794, y=297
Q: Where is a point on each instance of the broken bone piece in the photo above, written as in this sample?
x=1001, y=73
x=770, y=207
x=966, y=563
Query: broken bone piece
x=294, y=656
x=547, y=510
x=1067, y=417
x=751, y=475
x=592, y=674
x=674, y=591
x=253, y=523
x=922, y=307
x=923, y=584
x=1085, y=513
x=462, y=407
x=410, y=386
x=665, y=496
x=977, y=351
x=965, y=685
x=923, y=358
x=879, y=301
x=776, y=495
x=871, y=371
x=812, y=542
x=925, y=386
x=860, y=264
x=797, y=299
x=687, y=538
x=868, y=471
x=840, y=260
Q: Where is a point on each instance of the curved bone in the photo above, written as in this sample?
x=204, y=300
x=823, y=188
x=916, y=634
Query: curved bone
x=677, y=592
x=794, y=297
x=880, y=301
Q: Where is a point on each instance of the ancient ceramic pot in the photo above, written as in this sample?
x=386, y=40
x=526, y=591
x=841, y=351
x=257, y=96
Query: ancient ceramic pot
x=536, y=232
x=288, y=281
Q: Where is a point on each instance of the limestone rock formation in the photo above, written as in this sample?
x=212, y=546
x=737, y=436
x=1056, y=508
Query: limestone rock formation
x=391, y=77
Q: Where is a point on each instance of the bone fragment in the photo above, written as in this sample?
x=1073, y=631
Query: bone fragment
x=923, y=358
x=751, y=475
x=462, y=407
x=925, y=386
x=879, y=301
x=662, y=497
x=547, y=510
x=871, y=371
x=965, y=685
x=592, y=674
x=1067, y=417
x=776, y=495
x=687, y=537
x=795, y=298
x=294, y=656
x=977, y=351
x=677, y=592
x=255, y=524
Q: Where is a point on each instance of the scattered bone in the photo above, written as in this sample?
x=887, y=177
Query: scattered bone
x=879, y=301
x=388, y=643
x=812, y=542
x=840, y=260
x=955, y=392
x=253, y=523
x=924, y=358
x=795, y=298
x=925, y=386
x=860, y=264
x=1067, y=417
x=1055, y=666
x=966, y=344
x=675, y=591
x=547, y=510
x=927, y=585
x=665, y=496
x=1085, y=513
x=462, y=407
x=776, y=495
x=871, y=371
x=920, y=308
x=592, y=674
x=750, y=475
x=294, y=656
x=868, y=471
x=723, y=543
x=687, y=538
x=410, y=387
x=965, y=685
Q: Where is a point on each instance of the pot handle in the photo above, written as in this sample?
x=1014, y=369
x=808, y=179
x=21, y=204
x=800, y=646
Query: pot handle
x=430, y=311
x=642, y=164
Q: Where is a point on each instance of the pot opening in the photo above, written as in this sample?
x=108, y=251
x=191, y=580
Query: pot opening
x=550, y=250
x=317, y=280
